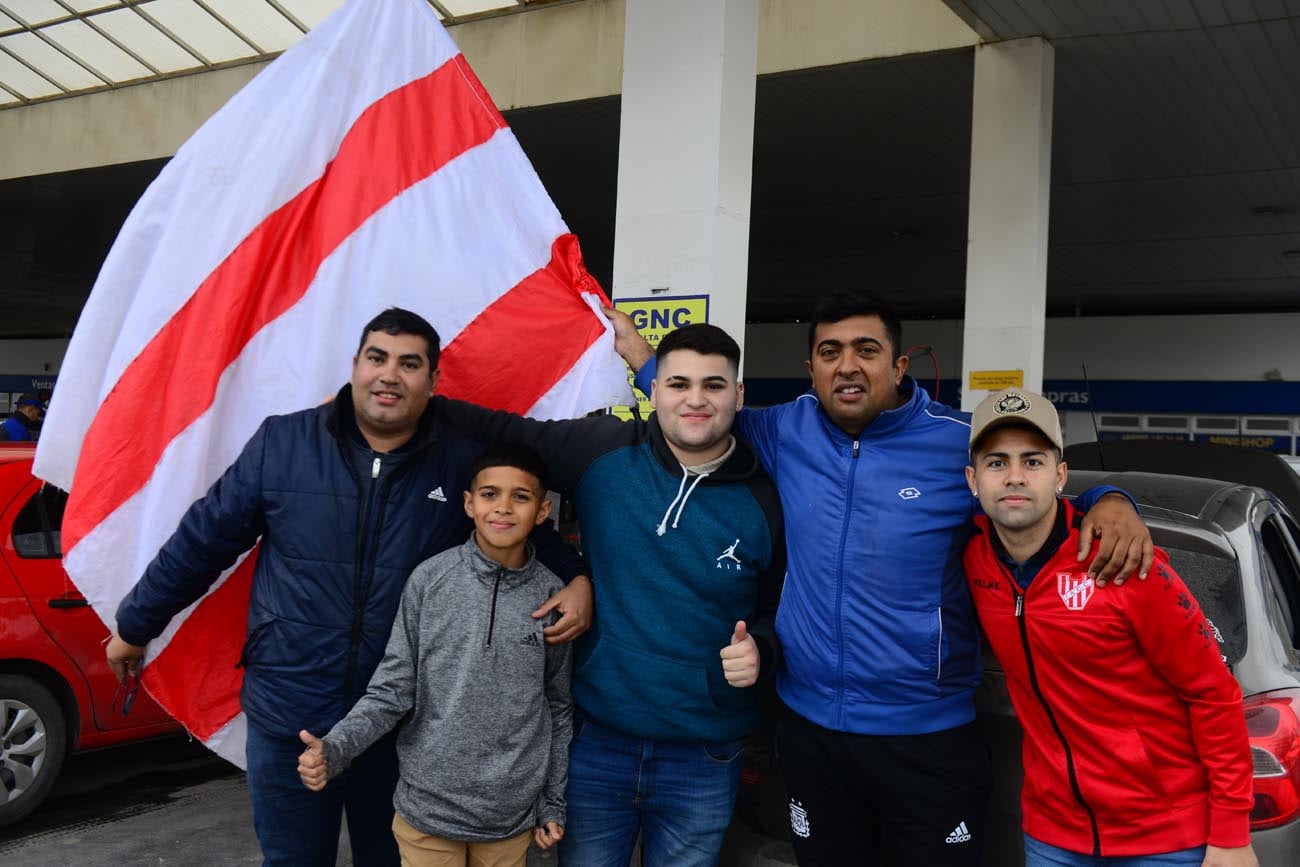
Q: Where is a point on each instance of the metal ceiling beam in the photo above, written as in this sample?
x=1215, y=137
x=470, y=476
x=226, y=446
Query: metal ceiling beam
x=90, y=22
x=36, y=31
x=133, y=5
x=289, y=16
x=22, y=100
x=32, y=69
x=257, y=49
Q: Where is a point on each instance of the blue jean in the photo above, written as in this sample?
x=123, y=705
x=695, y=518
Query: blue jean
x=680, y=796
x=1040, y=854
x=297, y=827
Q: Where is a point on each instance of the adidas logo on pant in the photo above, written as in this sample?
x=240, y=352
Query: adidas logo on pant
x=960, y=834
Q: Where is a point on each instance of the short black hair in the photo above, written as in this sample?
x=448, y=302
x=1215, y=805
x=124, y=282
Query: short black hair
x=703, y=338
x=845, y=303
x=397, y=321
x=516, y=455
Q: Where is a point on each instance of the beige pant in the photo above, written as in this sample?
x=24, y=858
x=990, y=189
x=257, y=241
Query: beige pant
x=419, y=849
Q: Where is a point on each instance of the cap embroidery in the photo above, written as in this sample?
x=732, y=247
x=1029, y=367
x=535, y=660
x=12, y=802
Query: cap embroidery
x=1013, y=403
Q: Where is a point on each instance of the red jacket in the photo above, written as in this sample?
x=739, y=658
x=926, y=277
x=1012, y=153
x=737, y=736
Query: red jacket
x=1135, y=740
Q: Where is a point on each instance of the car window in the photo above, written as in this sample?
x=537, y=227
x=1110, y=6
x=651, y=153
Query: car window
x=1283, y=566
x=1216, y=584
x=36, y=530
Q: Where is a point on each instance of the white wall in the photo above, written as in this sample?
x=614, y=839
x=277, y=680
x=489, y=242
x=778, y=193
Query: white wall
x=1227, y=348
x=29, y=357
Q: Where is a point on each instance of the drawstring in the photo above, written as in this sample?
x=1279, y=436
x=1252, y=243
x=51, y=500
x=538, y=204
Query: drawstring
x=663, y=525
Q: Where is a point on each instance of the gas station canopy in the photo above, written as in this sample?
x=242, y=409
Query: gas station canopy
x=55, y=48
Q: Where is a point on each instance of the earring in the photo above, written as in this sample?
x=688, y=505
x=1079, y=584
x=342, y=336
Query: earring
x=974, y=493
x=1059, y=490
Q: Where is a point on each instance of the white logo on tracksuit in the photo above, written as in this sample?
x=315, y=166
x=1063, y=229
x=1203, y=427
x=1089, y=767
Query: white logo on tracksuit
x=799, y=820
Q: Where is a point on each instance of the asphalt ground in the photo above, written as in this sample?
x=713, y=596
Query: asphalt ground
x=165, y=802
x=172, y=802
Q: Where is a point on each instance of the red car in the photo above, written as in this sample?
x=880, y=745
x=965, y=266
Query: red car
x=56, y=692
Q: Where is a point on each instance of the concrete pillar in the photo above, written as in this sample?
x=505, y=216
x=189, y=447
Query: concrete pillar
x=1010, y=182
x=685, y=155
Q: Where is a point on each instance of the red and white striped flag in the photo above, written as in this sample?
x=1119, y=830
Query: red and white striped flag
x=365, y=168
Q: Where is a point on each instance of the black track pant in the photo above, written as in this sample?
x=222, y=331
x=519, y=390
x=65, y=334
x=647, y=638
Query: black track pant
x=903, y=800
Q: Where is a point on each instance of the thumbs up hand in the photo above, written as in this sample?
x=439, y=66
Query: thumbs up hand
x=311, y=764
x=740, y=658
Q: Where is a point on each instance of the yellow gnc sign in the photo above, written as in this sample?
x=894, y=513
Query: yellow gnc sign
x=655, y=317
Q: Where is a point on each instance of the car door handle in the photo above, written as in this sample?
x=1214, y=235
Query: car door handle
x=66, y=602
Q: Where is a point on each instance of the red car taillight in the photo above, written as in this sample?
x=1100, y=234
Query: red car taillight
x=1273, y=723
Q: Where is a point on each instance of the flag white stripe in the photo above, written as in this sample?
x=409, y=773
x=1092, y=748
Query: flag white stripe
x=230, y=741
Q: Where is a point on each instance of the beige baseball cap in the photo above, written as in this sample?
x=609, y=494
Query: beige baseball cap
x=1016, y=406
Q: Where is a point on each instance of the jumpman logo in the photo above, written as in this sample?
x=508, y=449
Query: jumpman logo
x=729, y=554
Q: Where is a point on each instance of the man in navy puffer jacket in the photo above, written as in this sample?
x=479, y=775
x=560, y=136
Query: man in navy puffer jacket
x=347, y=498
x=881, y=650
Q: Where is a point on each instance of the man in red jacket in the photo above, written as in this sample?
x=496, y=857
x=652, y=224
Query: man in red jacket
x=1135, y=742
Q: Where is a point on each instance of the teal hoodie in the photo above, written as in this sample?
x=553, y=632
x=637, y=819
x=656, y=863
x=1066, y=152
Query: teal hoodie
x=676, y=560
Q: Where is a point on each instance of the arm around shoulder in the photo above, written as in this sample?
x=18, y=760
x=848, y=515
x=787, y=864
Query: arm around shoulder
x=568, y=446
x=1125, y=546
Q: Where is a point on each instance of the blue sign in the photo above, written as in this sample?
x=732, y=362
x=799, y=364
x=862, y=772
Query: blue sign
x=16, y=382
x=1279, y=444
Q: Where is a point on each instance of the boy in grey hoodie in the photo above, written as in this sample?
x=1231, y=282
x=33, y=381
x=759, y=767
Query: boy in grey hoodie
x=483, y=754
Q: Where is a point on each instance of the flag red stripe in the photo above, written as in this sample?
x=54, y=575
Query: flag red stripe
x=196, y=678
x=506, y=356
x=394, y=144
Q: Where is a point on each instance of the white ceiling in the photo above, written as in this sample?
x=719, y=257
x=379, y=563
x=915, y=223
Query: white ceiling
x=55, y=48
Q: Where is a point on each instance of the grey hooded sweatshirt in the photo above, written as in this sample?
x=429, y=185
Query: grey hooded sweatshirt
x=484, y=754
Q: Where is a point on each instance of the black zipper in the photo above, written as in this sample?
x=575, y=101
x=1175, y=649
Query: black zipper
x=1022, y=622
x=355, y=641
x=492, y=615
x=365, y=584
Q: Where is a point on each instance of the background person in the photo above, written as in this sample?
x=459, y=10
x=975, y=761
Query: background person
x=26, y=416
x=346, y=498
x=1135, y=742
x=484, y=752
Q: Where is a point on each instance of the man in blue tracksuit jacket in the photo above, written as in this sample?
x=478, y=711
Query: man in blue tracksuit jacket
x=347, y=498
x=881, y=650
x=18, y=427
x=682, y=529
